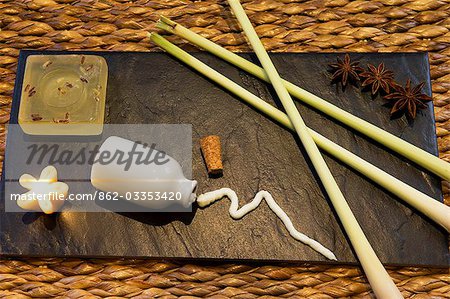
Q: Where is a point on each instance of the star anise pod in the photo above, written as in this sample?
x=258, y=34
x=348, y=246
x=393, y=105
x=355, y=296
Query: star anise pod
x=407, y=100
x=345, y=70
x=378, y=77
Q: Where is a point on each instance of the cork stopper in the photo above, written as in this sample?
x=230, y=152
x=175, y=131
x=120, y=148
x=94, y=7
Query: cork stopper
x=212, y=154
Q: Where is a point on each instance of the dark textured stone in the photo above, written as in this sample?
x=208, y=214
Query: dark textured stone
x=258, y=154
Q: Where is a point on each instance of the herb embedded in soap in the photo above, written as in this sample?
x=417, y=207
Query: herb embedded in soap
x=47, y=64
x=64, y=120
x=36, y=117
x=31, y=92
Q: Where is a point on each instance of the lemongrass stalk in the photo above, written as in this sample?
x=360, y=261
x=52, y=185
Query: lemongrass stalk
x=377, y=275
x=404, y=148
x=379, y=279
x=435, y=210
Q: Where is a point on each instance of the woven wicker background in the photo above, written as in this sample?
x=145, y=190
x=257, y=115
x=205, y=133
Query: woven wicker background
x=285, y=25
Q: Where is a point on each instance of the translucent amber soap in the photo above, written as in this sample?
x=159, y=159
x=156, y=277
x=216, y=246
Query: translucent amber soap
x=63, y=95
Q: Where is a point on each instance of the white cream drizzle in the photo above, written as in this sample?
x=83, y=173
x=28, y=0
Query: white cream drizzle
x=210, y=197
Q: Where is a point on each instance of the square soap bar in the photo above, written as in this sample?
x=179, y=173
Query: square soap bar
x=63, y=95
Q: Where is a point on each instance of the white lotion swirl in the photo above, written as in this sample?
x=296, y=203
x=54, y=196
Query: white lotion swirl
x=236, y=213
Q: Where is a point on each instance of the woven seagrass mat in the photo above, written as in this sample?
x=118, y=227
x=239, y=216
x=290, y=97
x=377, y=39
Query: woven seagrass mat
x=284, y=25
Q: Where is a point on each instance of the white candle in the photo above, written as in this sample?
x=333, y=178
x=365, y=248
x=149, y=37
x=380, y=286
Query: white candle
x=45, y=194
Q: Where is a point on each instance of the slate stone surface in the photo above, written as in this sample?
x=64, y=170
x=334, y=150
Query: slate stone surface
x=258, y=154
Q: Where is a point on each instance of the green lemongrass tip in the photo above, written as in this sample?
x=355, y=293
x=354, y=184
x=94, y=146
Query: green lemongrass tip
x=277, y=115
x=166, y=24
x=167, y=21
x=408, y=150
x=430, y=207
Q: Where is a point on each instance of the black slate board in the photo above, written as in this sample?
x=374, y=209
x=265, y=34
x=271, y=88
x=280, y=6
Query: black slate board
x=258, y=154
